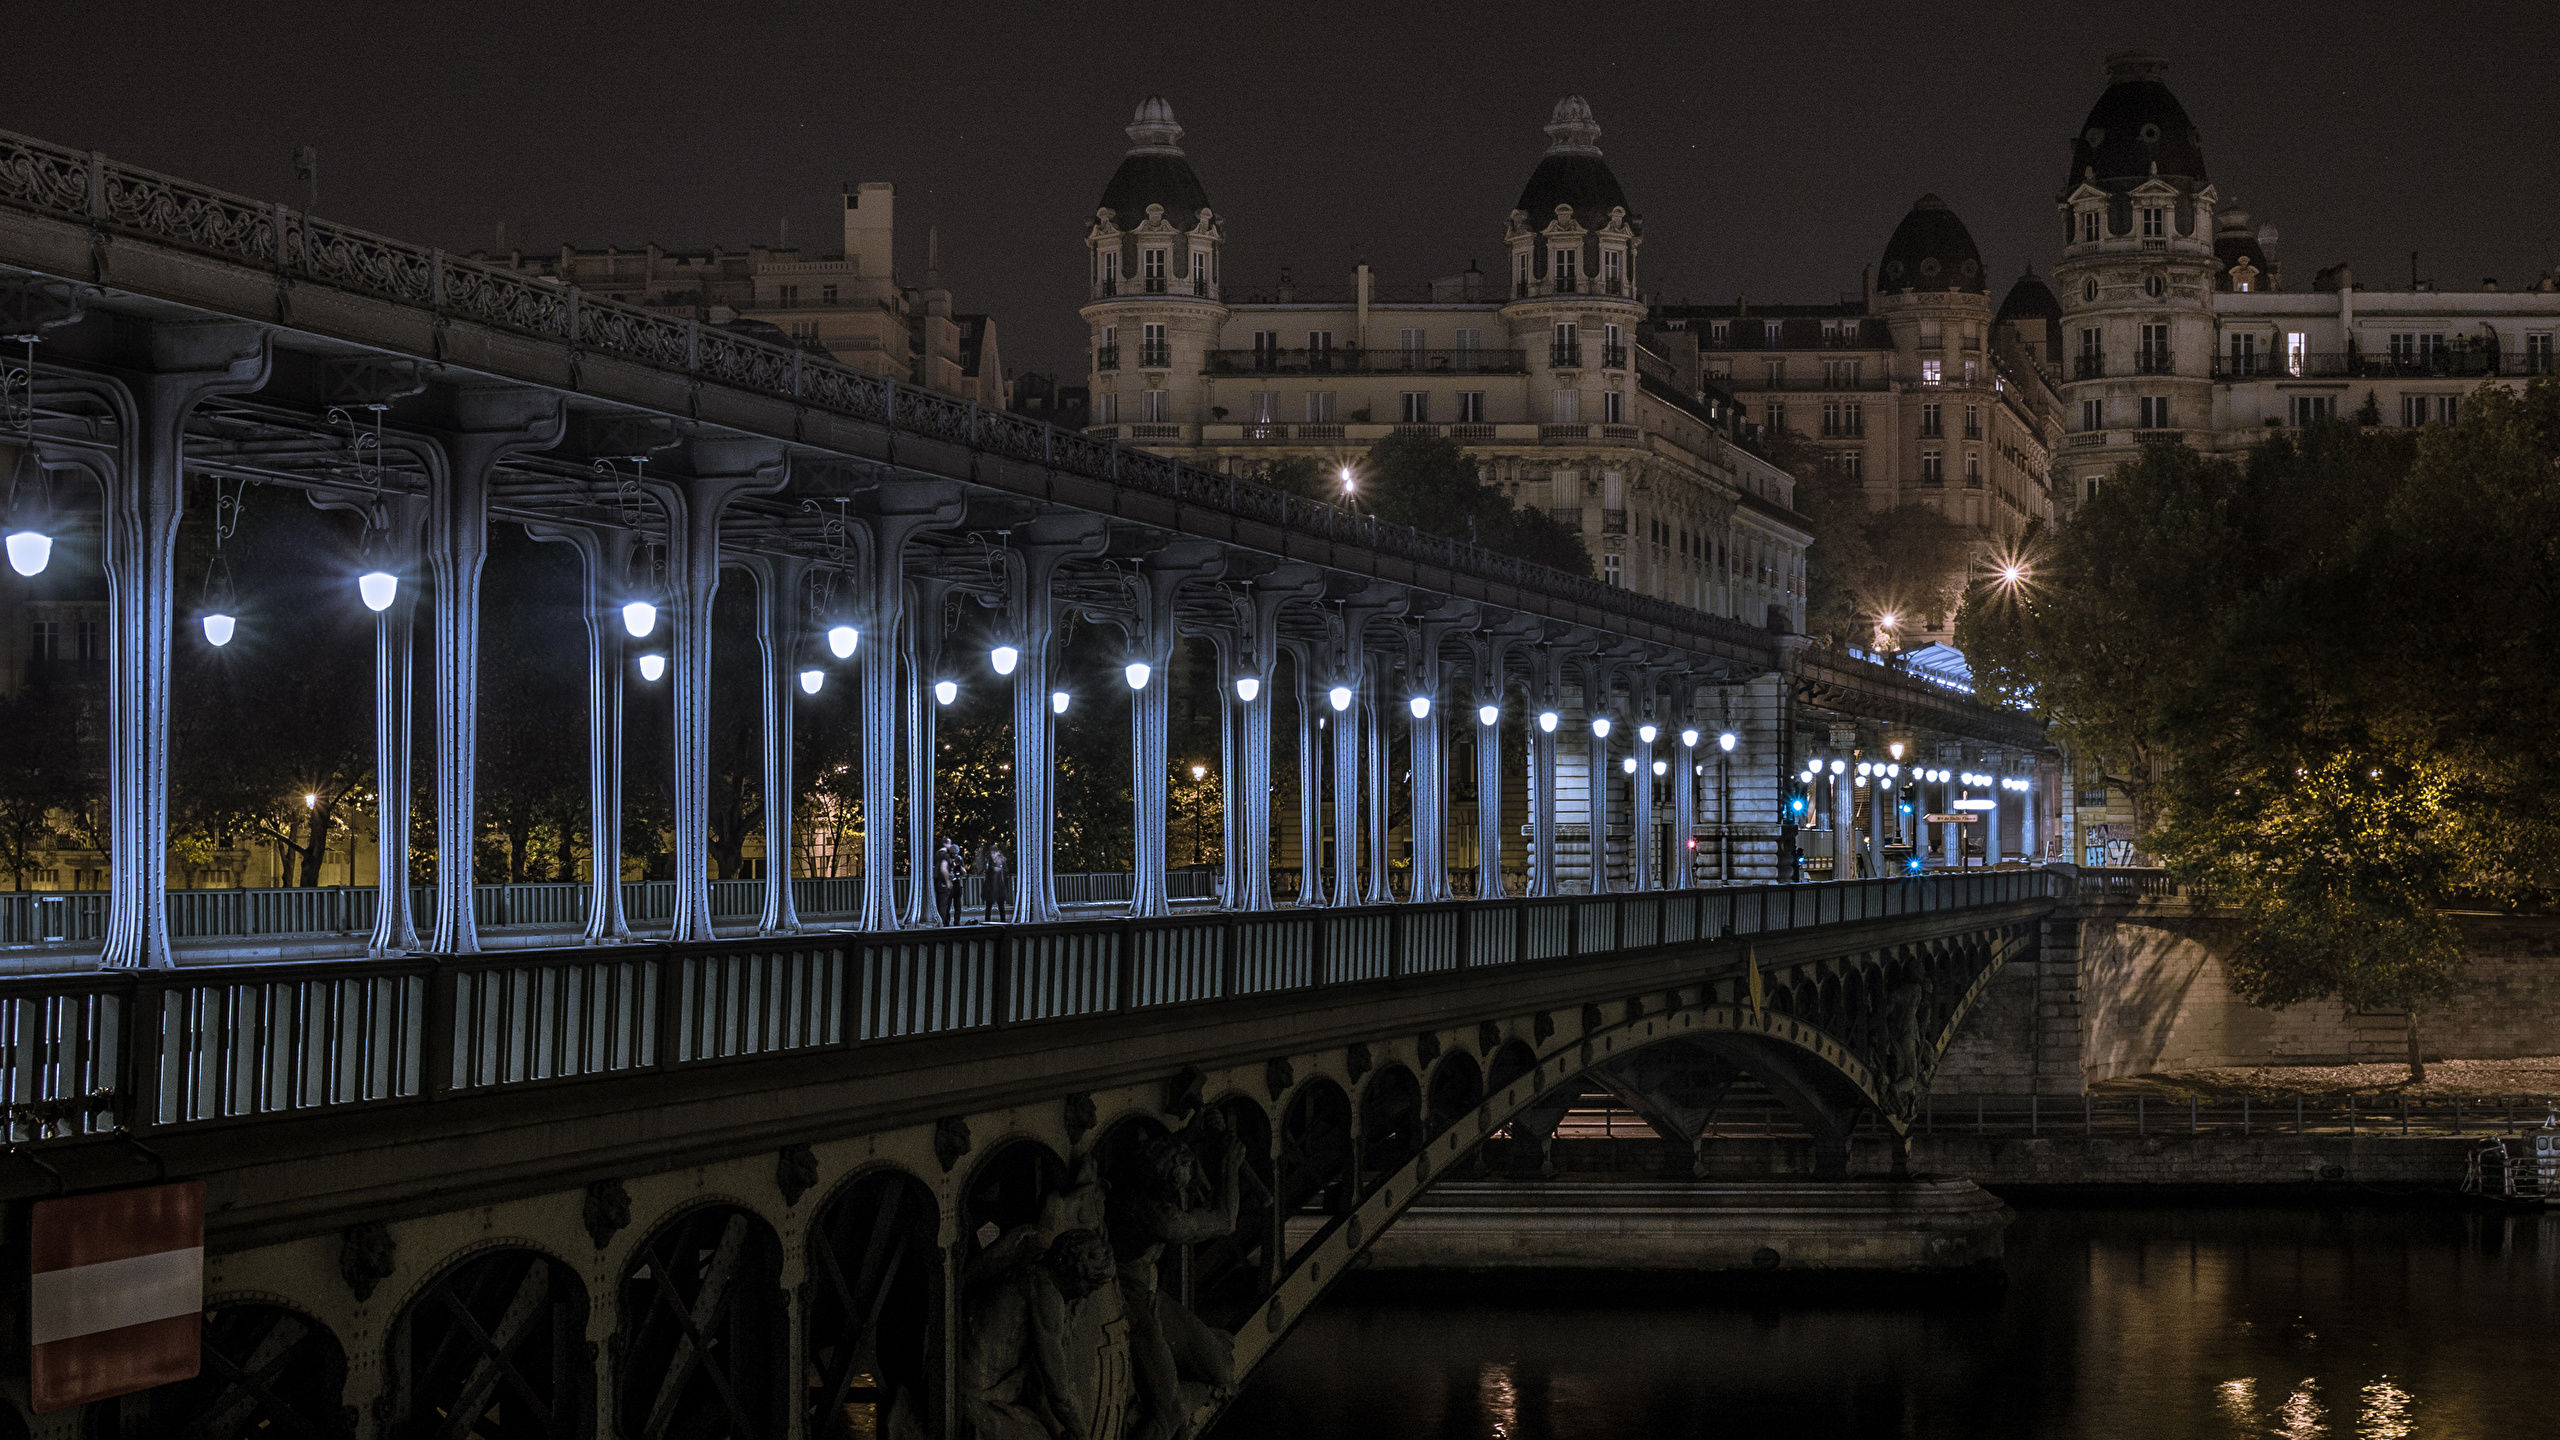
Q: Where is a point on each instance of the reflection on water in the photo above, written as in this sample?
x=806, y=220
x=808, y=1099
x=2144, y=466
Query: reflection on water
x=2116, y=1325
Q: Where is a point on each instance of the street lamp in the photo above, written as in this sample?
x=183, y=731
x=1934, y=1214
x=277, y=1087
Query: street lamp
x=1839, y=766
x=1894, y=749
x=1198, y=774
x=1726, y=741
x=1628, y=764
x=1348, y=484
x=30, y=541
x=1421, y=706
x=652, y=665
x=1004, y=658
x=1646, y=733
x=1661, y=767
x=1547, y=721
x=1487, y=714
x=1600, y=727
x=639, y=617
x=812, y=680
x=379, y=588
x=842, y=639
x=945, y=691
x=1247, y=687
x=1137, y=674
x=1057, y=702
x=1340, y=697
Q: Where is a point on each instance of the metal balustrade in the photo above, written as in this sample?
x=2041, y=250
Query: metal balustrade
x=82, y=1054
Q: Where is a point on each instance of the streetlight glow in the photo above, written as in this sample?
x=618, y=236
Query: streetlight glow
x=1004, y=658
x=1348, y=485
x=379, y=588
x=1137, y=674
x=218, y=629
x=1894, y=749
x=1057, y=702
x=29, y=551
x=1661, y=767
x=812, y=680
x=310, y=801
x=842, y=639
x=1689, y=739
x=1600, y=727
x=1199, y=773
x=945, y=691
x=1247, y=687
x=639, y=617
x=1487, y=714
x=1628, y=764
x=652, y=666
x=1421, y=706
x=1727, y=741
x=1547, y=721
x=1340, y=696
x=1646, y=733
x=1838, y=766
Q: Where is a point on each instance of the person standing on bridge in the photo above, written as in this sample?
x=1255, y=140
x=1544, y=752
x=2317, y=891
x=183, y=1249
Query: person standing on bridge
x=948, y=863
x=997, y=867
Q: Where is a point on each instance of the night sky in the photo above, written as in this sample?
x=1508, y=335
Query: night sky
x=1770, y=149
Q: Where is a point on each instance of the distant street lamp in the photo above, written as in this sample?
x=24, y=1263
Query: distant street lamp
x=1199, y=798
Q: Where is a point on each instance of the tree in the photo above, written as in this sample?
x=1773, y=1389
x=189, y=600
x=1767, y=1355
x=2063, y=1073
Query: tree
x=1433, y=485
x=1910, y=561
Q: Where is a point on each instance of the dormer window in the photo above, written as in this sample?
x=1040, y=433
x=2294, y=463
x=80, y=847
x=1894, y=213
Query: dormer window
x=1613, y=271
x=1563, y=269
x=2088, y=227
x=2155, y=223
x=1153, y=269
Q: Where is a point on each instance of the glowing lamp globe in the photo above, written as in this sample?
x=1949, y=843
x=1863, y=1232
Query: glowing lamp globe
x=29, y=551
x=639, y=617
x=652, y=667
x=379, y=588
x=1421, y=706
x=1628, y=764
x=1661, y=767
x=1600, y=727
x=1839, y=765
x=1727, y=741
x=811, y=680
x=1689, y=739
x=1057, y=702
x=1004, y=658
x=1646, y=733
x=944, y=692
x=1340, y=697
x=218, y=629
x=1487, y=714
x=1247, y=687
x=1137, y=673
x=842, y=639
x=1547, y=721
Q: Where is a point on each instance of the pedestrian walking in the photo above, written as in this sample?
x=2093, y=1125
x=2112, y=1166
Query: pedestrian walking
x=999, y=880
x=947, y=866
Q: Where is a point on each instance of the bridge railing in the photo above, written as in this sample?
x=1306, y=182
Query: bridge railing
x=34, y=917
x=83, y=1054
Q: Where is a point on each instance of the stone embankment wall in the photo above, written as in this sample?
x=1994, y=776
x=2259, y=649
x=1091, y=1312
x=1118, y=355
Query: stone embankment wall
x=2434, y=1162
x=2132, y=989
x=2153, y=995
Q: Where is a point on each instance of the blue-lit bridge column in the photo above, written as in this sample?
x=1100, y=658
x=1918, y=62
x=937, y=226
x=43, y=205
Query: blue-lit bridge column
x=1230, y=818
x=492, y=425
x=1488, y=720
x=394, y=729
x=890, y=516
x=1343, y=703
x=1253, y=687
x=1031, y=612
x=1310, y=779
x=604, y=563
x=1685, y=765
x=1640, y=787
x=1993, y=762
x=723, y=470
x=1158, y=585
x=143, y=496
x=1542, y=774
x=919, y=636
x=1379, y=885
x=781, y=631
x=1596, y=783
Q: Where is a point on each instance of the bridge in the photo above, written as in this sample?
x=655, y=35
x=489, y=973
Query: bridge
x=713, y=1166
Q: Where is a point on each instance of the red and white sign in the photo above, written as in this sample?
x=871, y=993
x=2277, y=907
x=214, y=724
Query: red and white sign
x=115, y=1293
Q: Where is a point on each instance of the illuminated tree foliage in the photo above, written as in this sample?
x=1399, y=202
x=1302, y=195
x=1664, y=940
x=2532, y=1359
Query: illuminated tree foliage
x=2325, y=674
x=1910, y=561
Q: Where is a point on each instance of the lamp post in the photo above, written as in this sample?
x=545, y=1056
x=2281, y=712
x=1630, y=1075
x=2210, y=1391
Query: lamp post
x=1199, y=775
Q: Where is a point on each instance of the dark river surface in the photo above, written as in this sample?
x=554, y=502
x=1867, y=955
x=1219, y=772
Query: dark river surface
x=2115, y=1324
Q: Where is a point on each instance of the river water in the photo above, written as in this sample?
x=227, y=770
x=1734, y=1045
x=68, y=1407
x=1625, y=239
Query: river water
x=2115, y=1324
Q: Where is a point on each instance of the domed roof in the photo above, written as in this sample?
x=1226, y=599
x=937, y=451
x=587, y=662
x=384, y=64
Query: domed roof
x=2135, y=125
x=2030, y=305
x=1155, y=172
x=1931, y=250
x=1572, y=172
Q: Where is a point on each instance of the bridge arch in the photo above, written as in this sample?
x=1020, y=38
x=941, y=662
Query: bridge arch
x=267, y=1365
x=495, y=1337
x=1390, y=1113
x=875, y=1279
x=706, y=1343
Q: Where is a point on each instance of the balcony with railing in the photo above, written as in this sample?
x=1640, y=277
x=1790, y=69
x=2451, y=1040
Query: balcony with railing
x=1155, y=357
x=1106, y=357
x=1565, y=357
x=1851, y=381
x=2088, y=365
x=2447, y=364
x=1613, y=522
x=1354, y=361
x=2153, y=360
x=1613, y=357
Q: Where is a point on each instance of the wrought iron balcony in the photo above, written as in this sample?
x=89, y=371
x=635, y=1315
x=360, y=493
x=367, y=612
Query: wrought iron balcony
x=1155, y=357
x=1155, y=284
x=2150, y=360
x=1474, y=361
x=1613, y=357
x=1106, y=357
x=1613, y=522
x=1565, y=357
x=2088, y=366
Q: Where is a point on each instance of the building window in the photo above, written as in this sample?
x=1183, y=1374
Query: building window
x=2537, y=353
x=1609, y=569
x=2152, y=356
x=2310, y=408
x=1830, y=419
x=2413, y=410
x=1417, y=407
x=2244, y=356
x=2155, y=412
x=1853, y=464
x=1155, y=406
x=1152, y=266
x=2089, y=228
x=2447, y=407
x=1613, y=347
x=788, y=294
x=1776, y=410
x=1932, y=372
x=1774, y=372
x=1841, y=374
x=1613, y=271
x=2297, y=348
x=1853, y=419
x=1771, y=333
x=1719, y=332
x=1106, y=408
x=1319, y=342
x=2155, y=223
x=1565, y=347
x=1613, y=407
x=1973, y=422
x=1468, y=341
x=45, y=640
x=2092, y=483
x=1106, y=356
x=1470, y=407
x=1199, y=272
x=1972, y=470
x=2091, y=417
x=1413, y=348
x=1152, y=350
x=1568, y=407
x=1266, y=407
x=1933, y=469
x=1931, y=425
x=827, y=293
x=1266, y=350
x=1320, y=407
x=1566, y=267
